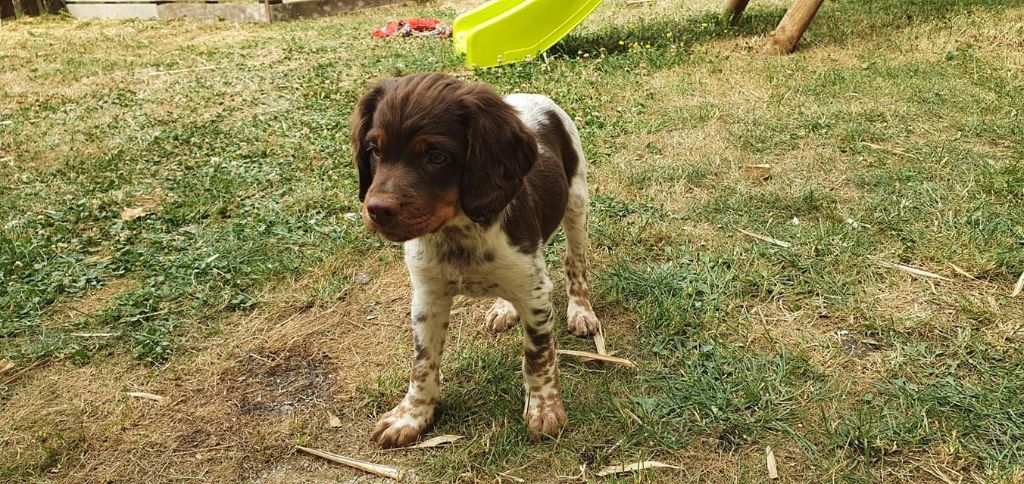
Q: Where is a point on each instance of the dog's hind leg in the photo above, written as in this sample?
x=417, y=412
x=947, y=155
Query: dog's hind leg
x=501, y=317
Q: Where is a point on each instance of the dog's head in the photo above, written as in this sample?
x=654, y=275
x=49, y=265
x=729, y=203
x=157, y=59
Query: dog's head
x=428, y=147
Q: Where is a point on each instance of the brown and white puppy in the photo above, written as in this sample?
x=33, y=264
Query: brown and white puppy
x=475, y=186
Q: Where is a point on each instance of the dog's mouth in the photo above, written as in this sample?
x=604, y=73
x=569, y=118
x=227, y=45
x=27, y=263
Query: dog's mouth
x=403, y=230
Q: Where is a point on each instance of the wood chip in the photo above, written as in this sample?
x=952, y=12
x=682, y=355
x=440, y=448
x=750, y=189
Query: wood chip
x=913, y=270
x=594, y=356
x=639, y=466
x=147, y=396
x=375, y=469
x=1019, y=287
x=6, y=366
x=773, y=467
x=765, y=238
x=333, y=420
x=760, y=172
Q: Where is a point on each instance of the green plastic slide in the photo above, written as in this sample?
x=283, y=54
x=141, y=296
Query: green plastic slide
x=505, y=31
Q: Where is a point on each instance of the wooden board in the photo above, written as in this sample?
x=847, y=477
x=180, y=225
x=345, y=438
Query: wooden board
x=234, y=12
x=112, y=10
x=320, y=8
x=260, y=12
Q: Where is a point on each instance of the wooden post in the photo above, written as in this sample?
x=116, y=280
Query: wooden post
x=30, y=7
x=7, y=9
x=792, y=26
x=54, y=6
x=735, y=8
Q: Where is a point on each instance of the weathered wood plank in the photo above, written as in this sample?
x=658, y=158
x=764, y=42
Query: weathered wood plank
x=320, y=8
x=235, y=12
x=113, y=10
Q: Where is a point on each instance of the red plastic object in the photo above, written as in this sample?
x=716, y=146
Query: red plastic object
x=413, y=26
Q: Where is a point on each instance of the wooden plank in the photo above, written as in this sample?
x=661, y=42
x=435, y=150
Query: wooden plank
x=112, y=10
x=320, y=8
x=792, y=27
x=234, y=12
x=7, y=9
x=734, y=9
x=154, y=2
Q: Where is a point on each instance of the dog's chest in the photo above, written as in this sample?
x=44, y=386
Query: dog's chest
x=472, y=264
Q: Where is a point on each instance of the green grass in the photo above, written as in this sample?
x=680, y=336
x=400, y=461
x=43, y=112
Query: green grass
x=895, y=134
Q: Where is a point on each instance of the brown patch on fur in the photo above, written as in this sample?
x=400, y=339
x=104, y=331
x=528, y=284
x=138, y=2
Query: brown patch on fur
x=554, y=135
x=537, y=210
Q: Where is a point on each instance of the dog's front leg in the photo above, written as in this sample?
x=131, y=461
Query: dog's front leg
x=543, y=412
x=404, y=423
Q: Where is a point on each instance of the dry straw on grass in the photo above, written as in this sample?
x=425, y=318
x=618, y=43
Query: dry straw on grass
x=375, y=469
x=637, y=466
x=583, y=355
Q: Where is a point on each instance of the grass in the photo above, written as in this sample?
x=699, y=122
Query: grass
x=239, y=289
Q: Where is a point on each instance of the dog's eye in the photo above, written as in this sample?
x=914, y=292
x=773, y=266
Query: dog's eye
x=437, y=157
x=374, y=151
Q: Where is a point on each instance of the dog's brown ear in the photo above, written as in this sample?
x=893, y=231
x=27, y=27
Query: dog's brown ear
x=362, y=120
x=501, y=152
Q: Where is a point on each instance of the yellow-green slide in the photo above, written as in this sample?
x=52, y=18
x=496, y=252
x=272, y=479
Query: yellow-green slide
x=505, y=31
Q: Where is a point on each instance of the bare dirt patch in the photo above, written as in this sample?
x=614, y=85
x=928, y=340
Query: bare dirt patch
x=278, y=384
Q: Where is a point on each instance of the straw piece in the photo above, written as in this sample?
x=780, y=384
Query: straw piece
x=375, y=469
x=765, y=238
x=147, y=396
x=638, y=466
x=594, y=356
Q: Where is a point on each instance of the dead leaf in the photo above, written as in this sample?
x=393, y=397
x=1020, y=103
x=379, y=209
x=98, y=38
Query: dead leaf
x=375, y=469
x=638, y=466
x=773, y=468
x=333, y=420
x=129, y=214
x=1019, y=287
x=6, y=366
x=594, y=356
x=765, y=238
x=147, y=396
x=760, y=172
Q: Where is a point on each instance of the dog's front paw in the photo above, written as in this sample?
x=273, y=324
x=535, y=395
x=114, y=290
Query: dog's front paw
x=582, y=322
x=402, y=425
x=501, y=317
x=545, y=416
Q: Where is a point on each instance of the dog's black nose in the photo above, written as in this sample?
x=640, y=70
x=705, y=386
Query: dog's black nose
x=382, y=209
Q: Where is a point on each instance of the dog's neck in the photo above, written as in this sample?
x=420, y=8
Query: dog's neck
x=461, y=242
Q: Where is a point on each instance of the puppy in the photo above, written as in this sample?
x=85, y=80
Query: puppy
x=475, y=186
